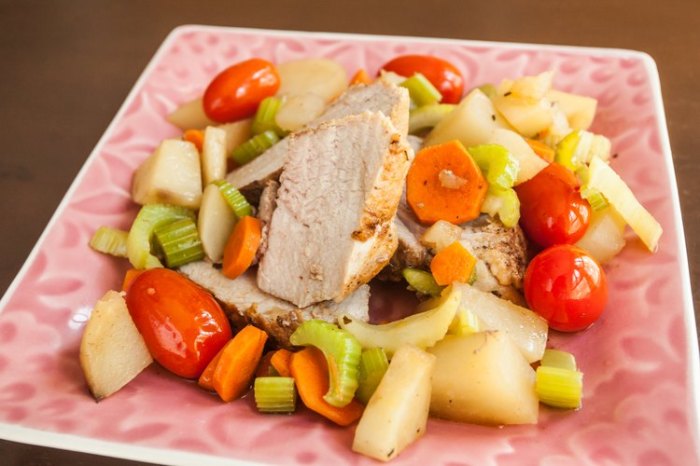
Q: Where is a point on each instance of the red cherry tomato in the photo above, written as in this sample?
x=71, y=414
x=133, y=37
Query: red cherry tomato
x=182, y=324
x=441, y=73
x=567, y=287
x=236, y=92
x=551, y=209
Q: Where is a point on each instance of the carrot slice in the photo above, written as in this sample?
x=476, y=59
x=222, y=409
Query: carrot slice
x=452, y=264
x=444, y=183
x=238, y=361
x=280, y=361
x=361, y=77
x=541, y=149
x=129, y=277
x=265, y=368
x=241, y=246
x=310, y=371
x=205, y=380
x=195, y=136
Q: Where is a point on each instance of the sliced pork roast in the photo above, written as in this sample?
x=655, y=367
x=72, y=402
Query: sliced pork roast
x=245, y=303
x=380, y=96
x=333, y=227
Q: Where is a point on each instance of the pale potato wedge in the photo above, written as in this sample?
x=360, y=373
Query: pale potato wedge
x=298, y=110
x=440, y=235
x=320, y=76
x=580, y=110
x=397, y=413
x=472, y=122
x=215, y=223
x=237, y=133
x=112, y=351
x=190, y=115
x=530, y=163
x=213, y=155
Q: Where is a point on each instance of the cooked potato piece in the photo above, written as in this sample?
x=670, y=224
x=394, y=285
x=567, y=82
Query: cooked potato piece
x=112, y=351
x=580, y=110
x=472, y=122
x=237, y=133
x=530, y=163
x=190, y=115
x=319, y=76
x=440, y=235
x=171, y=175
x=605, y=235
x=526, y=117
x=483, y=378
x=397, y=413
x=213, y=155
x=298, y=110
x=215, y=223
x=527, y=329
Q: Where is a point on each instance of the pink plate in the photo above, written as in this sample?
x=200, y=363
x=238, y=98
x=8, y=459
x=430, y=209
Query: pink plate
x=640, y=361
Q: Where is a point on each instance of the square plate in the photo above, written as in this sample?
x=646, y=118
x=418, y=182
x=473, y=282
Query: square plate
x=640, y=360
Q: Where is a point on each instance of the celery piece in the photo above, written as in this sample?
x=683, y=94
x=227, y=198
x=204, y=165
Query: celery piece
x=421, y=281
x=264, y=119
x=274, y=394
x=503, y=203
x=139, y=241
x=110, y=241
x=579, y=147
x=566, y=151
x=373, y=366
x=497, y=163
x=179, y=242
x=594, y=197
x=342, y=352
x=234, y=199
x=604, y=179
x=558, y=358
x=428, y=116
x=559, y=388
x=254, y=146
x=421, y=90
x=464, y=323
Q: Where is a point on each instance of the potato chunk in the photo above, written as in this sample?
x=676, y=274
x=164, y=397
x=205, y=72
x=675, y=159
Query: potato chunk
x=397, y=412
x=483, y=378
x=112, y=351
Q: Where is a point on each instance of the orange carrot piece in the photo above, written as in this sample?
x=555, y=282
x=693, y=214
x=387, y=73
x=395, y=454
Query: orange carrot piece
x=361, y=77
x=310, y=371
x=129, y=278
x=280, y=361
x=452, y=264
x=541, y=149
x=241, y=246
x=238, y=361
x=265, y=368
x=444, y=183
x=195, y=136
x=205, y=380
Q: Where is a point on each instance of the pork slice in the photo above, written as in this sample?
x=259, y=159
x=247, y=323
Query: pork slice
x=380, y=96
x=245, y=303
x=333, y=228
x=409, y=253
x=268, y=202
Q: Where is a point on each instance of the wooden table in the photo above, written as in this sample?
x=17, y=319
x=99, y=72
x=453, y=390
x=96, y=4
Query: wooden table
x=67, y=67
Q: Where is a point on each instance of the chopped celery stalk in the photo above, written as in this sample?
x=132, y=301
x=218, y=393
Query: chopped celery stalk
x=421, y=281
x=179, y=242
x=594, y=197
x=560, y=388
x=488, y=89
x=579, y=147
x=604, y=179
x=428, y=116
x=342, y=352
x=567, y=151
x=264, y=119
x=373, y=366
x=110, y=241
x=423, y=329
x=274, y=394
x=464, y=323
x=139, y=241
x=497, y=163
x=421, y=90
x=234, y=199
x=558, y=358
x=503, y=203
x=254, y=146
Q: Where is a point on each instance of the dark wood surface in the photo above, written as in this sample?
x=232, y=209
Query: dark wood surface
x=66, y=66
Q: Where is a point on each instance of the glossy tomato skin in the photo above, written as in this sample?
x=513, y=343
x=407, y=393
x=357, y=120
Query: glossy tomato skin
x=182, y=324
x=566, y=286
x=552, y=210
x=441, y=73
x=236, y=92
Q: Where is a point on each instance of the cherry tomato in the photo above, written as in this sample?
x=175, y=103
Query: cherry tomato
x=182, y=324
x=567, y=287
x=236, y=92
x=441, y=73
x=551, y=209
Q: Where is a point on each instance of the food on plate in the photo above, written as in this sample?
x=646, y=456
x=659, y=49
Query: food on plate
x=294, y=192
